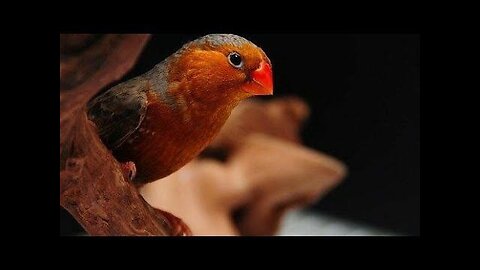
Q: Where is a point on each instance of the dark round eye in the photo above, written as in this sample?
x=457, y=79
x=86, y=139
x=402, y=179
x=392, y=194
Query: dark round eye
x=235, y=60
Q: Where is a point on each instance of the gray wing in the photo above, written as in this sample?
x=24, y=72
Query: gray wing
x=119, y=111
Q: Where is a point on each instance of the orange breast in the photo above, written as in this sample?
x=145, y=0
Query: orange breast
x=167, y=139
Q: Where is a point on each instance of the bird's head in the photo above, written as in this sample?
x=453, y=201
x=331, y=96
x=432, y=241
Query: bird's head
x=220, y=66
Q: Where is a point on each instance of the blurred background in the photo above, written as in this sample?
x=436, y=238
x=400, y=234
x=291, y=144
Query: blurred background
x=364, y=94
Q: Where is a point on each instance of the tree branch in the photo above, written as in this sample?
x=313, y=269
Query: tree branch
x=92, y=186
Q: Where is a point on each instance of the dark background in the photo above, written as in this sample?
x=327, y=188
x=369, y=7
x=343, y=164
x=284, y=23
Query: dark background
x=364, y=92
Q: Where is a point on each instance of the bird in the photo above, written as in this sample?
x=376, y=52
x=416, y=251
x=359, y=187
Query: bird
x=157, y=122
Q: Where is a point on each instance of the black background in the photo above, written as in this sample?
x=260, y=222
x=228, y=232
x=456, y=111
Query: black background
x=364, y=92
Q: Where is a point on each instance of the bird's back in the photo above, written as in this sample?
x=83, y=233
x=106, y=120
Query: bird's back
x=119, y=111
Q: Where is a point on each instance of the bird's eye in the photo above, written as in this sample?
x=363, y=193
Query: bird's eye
x=235, y=60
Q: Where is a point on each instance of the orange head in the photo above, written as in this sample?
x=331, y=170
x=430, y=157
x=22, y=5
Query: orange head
x=220, y=67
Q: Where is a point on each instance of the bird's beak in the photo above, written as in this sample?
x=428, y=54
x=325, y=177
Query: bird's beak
x=262, y=83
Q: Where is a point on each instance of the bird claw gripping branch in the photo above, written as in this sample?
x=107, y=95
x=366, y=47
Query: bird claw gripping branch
x=129, y=170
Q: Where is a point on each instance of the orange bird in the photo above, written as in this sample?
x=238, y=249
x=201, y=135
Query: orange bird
x=164, y=118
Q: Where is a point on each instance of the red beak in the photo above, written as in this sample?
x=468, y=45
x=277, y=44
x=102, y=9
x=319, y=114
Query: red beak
x=263, y=79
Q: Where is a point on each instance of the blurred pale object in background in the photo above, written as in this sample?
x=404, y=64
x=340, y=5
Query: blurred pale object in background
x=280, y=117
x=265, y=173
x=308, y=223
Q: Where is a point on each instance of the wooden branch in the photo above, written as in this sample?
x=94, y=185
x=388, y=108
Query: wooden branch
x=92, y=186
x=280, y=117
x=261, y=142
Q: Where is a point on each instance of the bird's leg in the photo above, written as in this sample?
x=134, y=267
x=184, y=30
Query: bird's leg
x=129, y=169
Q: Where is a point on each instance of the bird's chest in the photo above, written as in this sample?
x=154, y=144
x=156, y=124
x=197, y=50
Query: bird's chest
x=169, y=127
x=170, y=137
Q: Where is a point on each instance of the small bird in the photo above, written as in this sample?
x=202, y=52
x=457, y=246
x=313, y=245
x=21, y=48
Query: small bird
x=159, y=121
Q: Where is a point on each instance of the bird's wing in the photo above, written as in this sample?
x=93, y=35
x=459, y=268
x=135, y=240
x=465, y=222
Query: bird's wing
x=119, y=111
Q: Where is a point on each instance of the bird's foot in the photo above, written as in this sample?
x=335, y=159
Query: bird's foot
x=129, y=170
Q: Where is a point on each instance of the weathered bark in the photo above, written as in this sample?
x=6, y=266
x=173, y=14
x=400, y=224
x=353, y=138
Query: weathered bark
x=92, y=186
